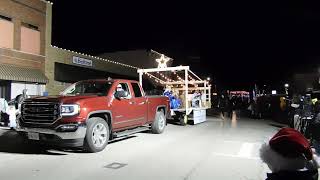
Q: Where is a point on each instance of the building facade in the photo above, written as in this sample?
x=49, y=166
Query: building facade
x=22, y=47
x=28, y=60
x=303, y=82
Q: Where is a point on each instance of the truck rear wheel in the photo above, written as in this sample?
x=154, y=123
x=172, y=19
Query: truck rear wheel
x=97, y=135
x=159, y=124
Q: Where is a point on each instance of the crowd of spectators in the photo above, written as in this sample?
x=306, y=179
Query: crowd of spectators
x=232, y=104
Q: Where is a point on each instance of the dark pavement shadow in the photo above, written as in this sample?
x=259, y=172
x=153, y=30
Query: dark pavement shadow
x=124, y=138
x=81, y=151
x=12, y=142
x=146, y=132
x=177, y=123
x=173, y=122
x=278, y=125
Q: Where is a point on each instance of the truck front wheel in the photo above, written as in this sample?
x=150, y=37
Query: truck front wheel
x=158, y=125
x=97, y=135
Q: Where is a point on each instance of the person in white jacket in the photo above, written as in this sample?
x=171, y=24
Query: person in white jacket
x=12, y=111
x=4, y=110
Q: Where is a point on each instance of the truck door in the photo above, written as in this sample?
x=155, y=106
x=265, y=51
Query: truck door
x=122, y=109
x=140, y=104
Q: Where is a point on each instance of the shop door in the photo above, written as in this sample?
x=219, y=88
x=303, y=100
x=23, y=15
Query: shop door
x=5, y=90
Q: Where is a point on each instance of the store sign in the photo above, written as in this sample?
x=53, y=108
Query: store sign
x=81, y=61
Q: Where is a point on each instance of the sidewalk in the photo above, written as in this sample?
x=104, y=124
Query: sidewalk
x=4, y=128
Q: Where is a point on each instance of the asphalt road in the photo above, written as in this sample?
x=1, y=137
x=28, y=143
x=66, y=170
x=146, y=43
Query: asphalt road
x=215, y=149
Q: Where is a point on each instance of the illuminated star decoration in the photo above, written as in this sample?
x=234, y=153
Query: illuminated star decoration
x=162, y=61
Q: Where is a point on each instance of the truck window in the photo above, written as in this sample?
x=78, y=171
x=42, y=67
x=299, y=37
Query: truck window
x=136, y=90
x=123, y=87
x=83, y=87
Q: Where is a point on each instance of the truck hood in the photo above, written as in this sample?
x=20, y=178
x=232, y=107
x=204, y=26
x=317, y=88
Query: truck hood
x=61, y=99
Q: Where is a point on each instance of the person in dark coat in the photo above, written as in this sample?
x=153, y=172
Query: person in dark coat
x=238, y=106
x=230, y=106
x=222, y=106
x=289, y=156
x=20, y=98
x=315, y=128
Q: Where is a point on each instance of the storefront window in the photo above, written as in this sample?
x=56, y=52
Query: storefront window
x=33, y=89
x=30, y=39
x=6, y=32
x=5, y=90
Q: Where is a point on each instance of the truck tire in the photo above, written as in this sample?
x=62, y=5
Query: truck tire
x=159, y=124
x=97, y=135
x=183, y=120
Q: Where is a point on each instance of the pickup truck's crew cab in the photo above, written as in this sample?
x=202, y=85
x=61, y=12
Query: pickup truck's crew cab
x=90, y=113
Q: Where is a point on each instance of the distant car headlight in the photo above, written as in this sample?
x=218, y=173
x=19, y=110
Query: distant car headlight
x=70, y=109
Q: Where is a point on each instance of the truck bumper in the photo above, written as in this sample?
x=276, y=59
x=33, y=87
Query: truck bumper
x=55, y=137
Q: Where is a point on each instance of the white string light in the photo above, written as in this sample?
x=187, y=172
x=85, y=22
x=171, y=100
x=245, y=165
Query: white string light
x=155, y=78
x=164, y=78
x=99, y=58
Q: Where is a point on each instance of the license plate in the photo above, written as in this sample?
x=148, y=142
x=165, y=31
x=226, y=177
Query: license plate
x=33, y=136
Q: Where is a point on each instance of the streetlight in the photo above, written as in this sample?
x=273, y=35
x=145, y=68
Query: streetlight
x=208, y=78
x=286, y=86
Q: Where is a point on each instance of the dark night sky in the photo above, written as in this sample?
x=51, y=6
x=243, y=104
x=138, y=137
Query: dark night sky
x=238, y=43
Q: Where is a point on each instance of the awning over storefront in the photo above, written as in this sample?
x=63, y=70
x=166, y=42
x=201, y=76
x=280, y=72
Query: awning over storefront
x=13, y=73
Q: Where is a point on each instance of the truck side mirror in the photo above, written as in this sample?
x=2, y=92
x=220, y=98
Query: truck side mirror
x=121, y=94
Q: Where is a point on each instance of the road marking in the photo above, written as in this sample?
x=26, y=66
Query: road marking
x=234, y=141
x=235, y=156
x=246, y=150
x=115, y=165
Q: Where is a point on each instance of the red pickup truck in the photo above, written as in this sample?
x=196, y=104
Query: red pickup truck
x=90, y=113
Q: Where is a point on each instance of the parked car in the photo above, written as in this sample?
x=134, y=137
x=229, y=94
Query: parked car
x=90, y=113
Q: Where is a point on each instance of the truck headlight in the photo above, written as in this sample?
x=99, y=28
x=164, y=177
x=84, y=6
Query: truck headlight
x=70, y=109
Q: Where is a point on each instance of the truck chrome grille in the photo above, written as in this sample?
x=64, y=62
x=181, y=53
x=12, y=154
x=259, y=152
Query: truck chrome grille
x=40, y=112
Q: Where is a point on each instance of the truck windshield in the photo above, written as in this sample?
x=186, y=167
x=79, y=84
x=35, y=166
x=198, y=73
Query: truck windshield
x=88, y=87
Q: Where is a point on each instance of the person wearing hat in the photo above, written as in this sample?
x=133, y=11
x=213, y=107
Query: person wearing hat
x=289, y=156
x=119, y=87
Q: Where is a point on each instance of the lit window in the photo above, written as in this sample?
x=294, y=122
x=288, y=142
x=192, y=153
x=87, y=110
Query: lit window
x=6, y=32
x=30, y=39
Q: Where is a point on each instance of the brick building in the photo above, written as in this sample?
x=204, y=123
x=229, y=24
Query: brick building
x=22, y=46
